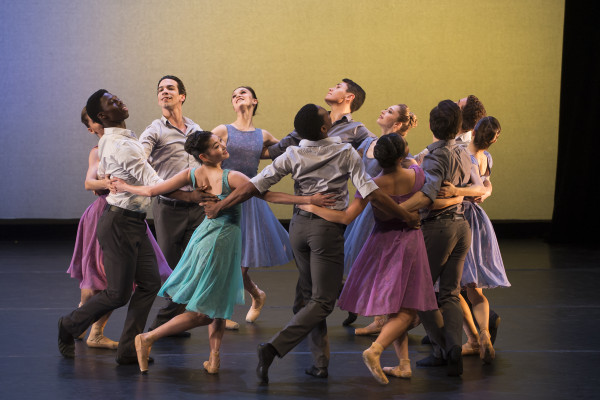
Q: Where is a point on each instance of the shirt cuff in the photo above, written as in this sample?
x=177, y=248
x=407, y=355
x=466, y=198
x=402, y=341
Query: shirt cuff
x=368, y=188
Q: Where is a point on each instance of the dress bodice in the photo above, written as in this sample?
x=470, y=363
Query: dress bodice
x=488, y=171
x=232, y=214
x=245, y=148
x=372, y=166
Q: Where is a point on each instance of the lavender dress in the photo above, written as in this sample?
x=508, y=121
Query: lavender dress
x=391, y=271
x=483, y=266
x=86, y=264
x=359, y=230
x=265, y=242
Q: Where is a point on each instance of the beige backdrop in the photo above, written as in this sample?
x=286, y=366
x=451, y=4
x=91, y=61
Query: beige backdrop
x=56, y=53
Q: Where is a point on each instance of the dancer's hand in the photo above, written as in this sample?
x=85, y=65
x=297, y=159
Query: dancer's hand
x=200, y=196
x=414, y=221
x=211, y=209
x=117, y=185
x=447, y=190
x=322, y=200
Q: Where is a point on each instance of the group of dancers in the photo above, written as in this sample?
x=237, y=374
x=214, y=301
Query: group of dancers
x=411, y=228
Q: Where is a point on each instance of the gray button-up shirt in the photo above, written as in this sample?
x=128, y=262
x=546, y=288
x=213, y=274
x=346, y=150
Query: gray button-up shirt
x=164, y=147
x=122, y=156
x=445, y=161
x=348, y=130
x=322, y=166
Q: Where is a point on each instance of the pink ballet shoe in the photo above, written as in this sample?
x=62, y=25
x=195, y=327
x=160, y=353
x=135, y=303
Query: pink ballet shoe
x=257, y=305
x=486, y=350
x=374, y=328
x=470, y=349
x=142, y=348
x=371, y=359
x=231, y=325
x=400, y=371
x=214, y=362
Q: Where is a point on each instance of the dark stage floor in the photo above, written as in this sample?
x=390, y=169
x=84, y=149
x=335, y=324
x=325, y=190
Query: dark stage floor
x=548, y=345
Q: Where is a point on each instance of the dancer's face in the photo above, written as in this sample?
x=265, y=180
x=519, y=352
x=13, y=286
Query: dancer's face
x=216, y=152
x=337, y=94
x=94, y=127
x=113, y=109
x=388, y=119
x=326, y=120
x=168, y=94
x=242, y=97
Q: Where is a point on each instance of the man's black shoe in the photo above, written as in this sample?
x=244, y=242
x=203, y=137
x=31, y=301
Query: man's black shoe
x=266, y=355
x=66, y=342
x=317, y=372
x=128, y=360
x=455, y=364
x=494, y=324
x=431, y=361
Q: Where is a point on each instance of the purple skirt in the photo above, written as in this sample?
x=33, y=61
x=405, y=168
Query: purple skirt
x=391, y=272
x=86, y=264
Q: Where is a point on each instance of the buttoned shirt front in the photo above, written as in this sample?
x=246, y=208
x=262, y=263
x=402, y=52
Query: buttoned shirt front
x=446, y=161
x=348, y=130
x=164, y=147
x=322, y=166
x=122, y=156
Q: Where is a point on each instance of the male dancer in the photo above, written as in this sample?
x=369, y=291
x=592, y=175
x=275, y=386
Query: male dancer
x=319, y=164
x=128, y=255
x=175, y=221
x=344, y=98
x=472, y=111
x=446, y=232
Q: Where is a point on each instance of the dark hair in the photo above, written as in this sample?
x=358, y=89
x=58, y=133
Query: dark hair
x=308, y=122
x=485, y=132
x=253, y=96
x=197, y=143
x=84, y=118
x=445, y=120
x=180, y=85
x=472, y=112
x=358, y=92
x=389, y=148
x=93, y=105
x=408, y=119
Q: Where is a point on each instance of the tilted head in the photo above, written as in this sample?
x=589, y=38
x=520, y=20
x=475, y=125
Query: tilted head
x=445, y=120
x=389, y=149
x=486, y=132
x=312, y=122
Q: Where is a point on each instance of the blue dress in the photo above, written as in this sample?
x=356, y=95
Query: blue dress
x=483, y=266
x=208, y=277
x=358, y=231
x=265, y=242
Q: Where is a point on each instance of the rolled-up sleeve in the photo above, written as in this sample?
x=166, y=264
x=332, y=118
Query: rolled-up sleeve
x=362, y=181
x=434, y=177
x=136, y=165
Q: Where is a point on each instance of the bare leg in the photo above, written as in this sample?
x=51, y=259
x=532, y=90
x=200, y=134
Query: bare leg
x=215, y=336
x=472, y=345
x=402, y=370
x=180, y=323
x=481, y=311
x=96, y=338
x=258, y=296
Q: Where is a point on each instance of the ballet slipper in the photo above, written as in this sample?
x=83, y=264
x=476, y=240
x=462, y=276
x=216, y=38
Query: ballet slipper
x=374, y=328
x=371, y=359
x=400, y=371
x=257, y=304
x=231, y=325
x=486, y=350
x=142, y=348
x=98, y=340
x=214, y=362
x=470, y=349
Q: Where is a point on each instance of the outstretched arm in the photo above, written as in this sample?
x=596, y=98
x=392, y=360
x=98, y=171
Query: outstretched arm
x=385, y=203
x=338, y=216
x=168, y=186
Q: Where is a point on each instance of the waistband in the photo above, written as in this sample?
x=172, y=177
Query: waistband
x=452, y=216
x=306, y=214
x=126, y=212
x=176, y=203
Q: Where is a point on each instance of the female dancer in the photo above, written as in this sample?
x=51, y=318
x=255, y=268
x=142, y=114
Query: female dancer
x=392, y=251
x=265, y=242
x=86, y=264
x=207, y=278
x=483, y=266
x=395, y=119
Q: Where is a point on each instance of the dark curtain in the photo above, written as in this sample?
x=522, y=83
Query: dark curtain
x=575, y=217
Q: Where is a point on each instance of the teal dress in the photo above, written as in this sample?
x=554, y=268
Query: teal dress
x=208, y=277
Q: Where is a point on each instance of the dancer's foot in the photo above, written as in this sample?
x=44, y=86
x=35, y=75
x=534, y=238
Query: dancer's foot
x=373, y=328
x=486, y=350
x=317, y=372
x=231, y=325
x=371, y=358
x=66, y=342
x=350, y=319
x=214, y=362
x=257, y=304
x=400, y=371
x=142, y=348
x=470, y=349
x=431, y=361
x=266, y=355
x=455, y=365
x=101, y=342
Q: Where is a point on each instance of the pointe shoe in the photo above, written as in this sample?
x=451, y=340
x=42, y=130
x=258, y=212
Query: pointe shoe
x=374, y=328
x=257, y=305
x=142, y=348
x=470, y=349
x=214, y=362
x=231, y=325
x=400, y=371
x=486, y=350
x=371, y=359
x=101, y=342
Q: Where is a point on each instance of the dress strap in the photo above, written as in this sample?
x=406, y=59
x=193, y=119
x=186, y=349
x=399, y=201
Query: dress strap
x=193, y=177
x=225, y=182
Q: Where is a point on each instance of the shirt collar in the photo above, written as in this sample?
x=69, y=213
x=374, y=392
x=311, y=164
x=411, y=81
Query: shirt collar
x=345, y=118
x=166, y=123
x=322, y=142
x=440, y=143
x=120, y=131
